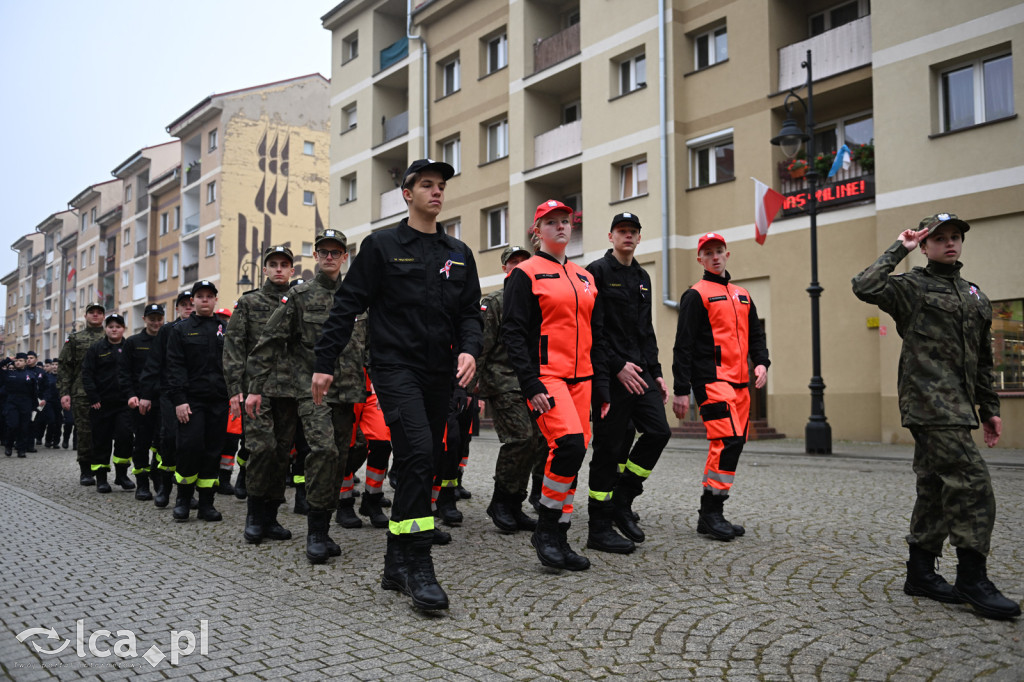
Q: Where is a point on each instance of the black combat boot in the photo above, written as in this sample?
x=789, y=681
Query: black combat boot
x=206, y=510
x=121, y=477
x=67, y=436
x=182, y=508
x=622, y=514
x=537, y=482
x=101, y=481
x=9, y=450
x=446, y=509
x=346, y=515
x=369, y=506
x=162, y=496
x=547, y=540
x=224, y=486
x=240, y=491
x=301, y=506
x=460, y=491
x=923, y=581
x=440, y=537
x=86, y=476
x=317, y=523
x=710, y=520
x=573, y=561
x=395, y=575
x=272, y=530
x=254, y=513
x=500, y=511
x=601, y=533
x=142, y=492
x=524, y=521
x=973, y=585
x=421, y=581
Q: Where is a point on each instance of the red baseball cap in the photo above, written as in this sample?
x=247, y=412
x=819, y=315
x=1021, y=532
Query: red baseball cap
x=549, y=206
x=709, y=237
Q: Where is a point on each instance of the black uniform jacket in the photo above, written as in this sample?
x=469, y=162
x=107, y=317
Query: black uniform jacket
x=137, y=349
x=99, y=374
x=194, y=368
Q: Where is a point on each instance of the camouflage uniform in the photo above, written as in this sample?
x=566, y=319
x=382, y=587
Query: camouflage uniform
x=522, y=444
x=69, y=382
x=292, y=332
x=945, y=369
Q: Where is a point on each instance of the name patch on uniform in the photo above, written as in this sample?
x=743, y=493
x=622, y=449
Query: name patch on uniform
x=586, y=282
x=718, y=298
x=616, y=284
x=743, y=298
x=404, y=260
x=456, y=258
x=316, y=308
x=546, y=275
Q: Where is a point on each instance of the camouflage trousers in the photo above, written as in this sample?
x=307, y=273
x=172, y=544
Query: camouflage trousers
x=83, y=427
x=522, y=443
x=328, y=429
x=954, y=492
x=269, y=437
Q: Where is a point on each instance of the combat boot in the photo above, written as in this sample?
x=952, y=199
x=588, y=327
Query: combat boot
x=86, y=476
x=240, y=492
x=500, y=511
x=710, y=520
x=446, y=509
x=272, y=530
x=206, y=510
x=254, y=520
x=601, y=533
x=395, y=575
x=67, y=436
x=301, y=506
x=142, y=492
x=101, y=481
x=460, y=491
x=346, y=515
x=923, y=581
x=182, y=508
x=523, y=521
x=317, y=522
x=8, y=450
x=224, y=486
x=421, y=581
x=121, y=477
x=163, y=494
x=535, y=488
x=573, y=561
x=973, y=585
x=440, y=537
x=546, y=539
x=369, y=506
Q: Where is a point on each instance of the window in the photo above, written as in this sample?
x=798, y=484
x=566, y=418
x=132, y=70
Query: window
x=127, y=240
x=211, y=138
x=92, y=294
x=127, y=193
x=837, y=16
x=348, y=188
x=84, y=259
x=632, y=74
x=633, y=179
x=711, y=159
x=976, y=92
x=92, y=255
x=450, y=76
x=497, y=227
x=211, y=245
x=308, y=198
x=174, y=265
x=1008, y=345
x=164, y=223
x=211, y=192
x=453, y=228
x=497, y=140
x=571, y=112
x=83, y=222
x=161, y=270
x=177, y=217
x=350, y=47
x=308, y=148
x=349, y=117
x=710, y=48
x=307, y=249
x=126, y=279
x=92, y=215
x=451, y=153
x=497, y=53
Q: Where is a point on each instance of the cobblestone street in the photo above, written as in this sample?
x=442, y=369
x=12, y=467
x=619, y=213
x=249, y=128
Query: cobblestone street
x=813, y=591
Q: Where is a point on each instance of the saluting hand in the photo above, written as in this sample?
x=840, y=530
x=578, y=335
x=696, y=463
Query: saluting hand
x=911, y=238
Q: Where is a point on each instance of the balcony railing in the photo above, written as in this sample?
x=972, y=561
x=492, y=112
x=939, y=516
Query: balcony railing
x=139, y=291
x=560, y=143
x=391, y=202
x=851, y=185
x=835, y=51
x=142, y=203
x=191, y=224
x=190, y=273
x=193, y=173
x=395, y=52
x=396, y=126
x=557, y=48
x=107, y=265
x=141, y=247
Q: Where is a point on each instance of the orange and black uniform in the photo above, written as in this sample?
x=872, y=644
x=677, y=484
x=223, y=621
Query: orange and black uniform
x=546, y=328
x=718, y=329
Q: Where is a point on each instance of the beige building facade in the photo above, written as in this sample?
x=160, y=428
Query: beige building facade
x=665, y=108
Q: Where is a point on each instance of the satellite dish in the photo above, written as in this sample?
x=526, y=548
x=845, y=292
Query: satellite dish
x=40, y=283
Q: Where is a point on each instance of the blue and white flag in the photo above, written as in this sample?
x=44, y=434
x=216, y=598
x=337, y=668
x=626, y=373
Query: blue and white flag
x=842, y=160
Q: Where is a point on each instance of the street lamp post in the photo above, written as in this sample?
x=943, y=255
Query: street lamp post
x=818, y=432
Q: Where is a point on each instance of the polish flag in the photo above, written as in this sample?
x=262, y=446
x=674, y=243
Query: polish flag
x=71, y=274
x=767, y=203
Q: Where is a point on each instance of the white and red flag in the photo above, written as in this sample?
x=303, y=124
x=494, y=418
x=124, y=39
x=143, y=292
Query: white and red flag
x=767, y=203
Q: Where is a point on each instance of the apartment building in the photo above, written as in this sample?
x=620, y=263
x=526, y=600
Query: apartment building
x=666, y=108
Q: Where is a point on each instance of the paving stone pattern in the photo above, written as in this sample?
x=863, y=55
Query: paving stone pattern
x=814, y=590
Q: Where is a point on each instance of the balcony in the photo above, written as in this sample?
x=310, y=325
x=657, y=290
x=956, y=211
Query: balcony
x=107, y=265
x=394, y=53
x=190, y=273
x=396, y=126
x=392, y=203
x=194, y=172
x=141, y=247
x=142, y=203
x=560, y=143
x=139, y=291
x=854, y=184
x=191, y=224
x=833, y=52
x=557, y=48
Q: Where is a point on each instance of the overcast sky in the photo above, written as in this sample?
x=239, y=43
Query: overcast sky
x=87, y=84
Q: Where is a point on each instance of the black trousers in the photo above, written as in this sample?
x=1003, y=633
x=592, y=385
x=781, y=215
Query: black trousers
x=200, y=441
x=146, y=428
x=611, y=451
x=415, y=407
x=167, y=440
x=111, y=427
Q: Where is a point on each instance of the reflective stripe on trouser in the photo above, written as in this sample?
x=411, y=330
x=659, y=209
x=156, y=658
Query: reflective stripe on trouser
x=566, y=427
x=327, y=428
x=227, y=453
x=954, y=492
x=614, y=450
x=523, y=446
x=83, y=427
x=111, y=429
x=200, y=441
x=436, y=489
x=725, y=410
x=227, y=462
x=374, y=478
x=268, y=437
x=345, y=491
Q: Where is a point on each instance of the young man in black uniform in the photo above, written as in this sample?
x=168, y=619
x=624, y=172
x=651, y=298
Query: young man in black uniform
x=134, y=357
x=196, y=388
x=425, y=293
x=21, y=391
x=39, y=423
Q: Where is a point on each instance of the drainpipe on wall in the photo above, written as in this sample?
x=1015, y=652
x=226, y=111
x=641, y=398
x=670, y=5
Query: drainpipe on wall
x=424, y=59
x=666, y=289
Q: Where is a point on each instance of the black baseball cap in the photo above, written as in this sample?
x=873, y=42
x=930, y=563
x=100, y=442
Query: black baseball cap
x=421, y=165
x=630, y=218
x=183, y=296
x=153, y=309
x=21, y=356
x=114, y=317
x=33, y=354
x=204, y=284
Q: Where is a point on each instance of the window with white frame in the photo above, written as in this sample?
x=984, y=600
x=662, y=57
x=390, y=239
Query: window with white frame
x=497, y=140
x=211, y=245
x=632, y=74
x=451, y=153
x=307, y=249
x=497, y=227
x=177, y=218
x=348, y=188
x=165, y=222
x=453, y=228
x=127, y=193
x=349, y=117
x=308, y=148
x=450, y=75
x=975, y=92
x=633, y=178
x=211, y=139
x=174, y=265
x=92, y=255
x=126, y=279
x=211, y=192
x=161, y=270
x=92, y=215
x=350, y=47
x=837, y=15
x=127, y=240
x=84, y=224
x=497, y=53
x=710, y=48
x=308, y=198
x=711, y=159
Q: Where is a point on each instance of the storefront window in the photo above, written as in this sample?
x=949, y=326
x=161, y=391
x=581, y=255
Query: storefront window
x=1008, y=344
